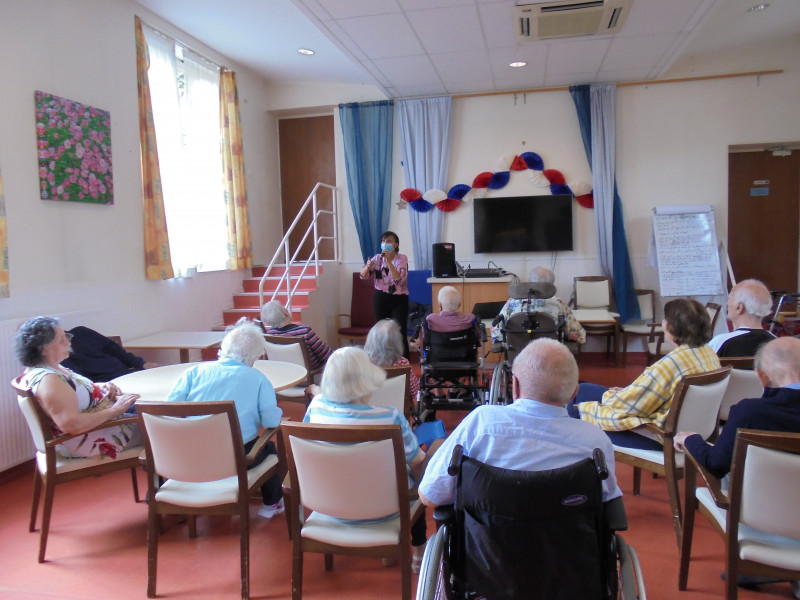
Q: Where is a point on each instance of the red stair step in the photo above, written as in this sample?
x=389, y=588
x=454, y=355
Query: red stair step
x=251, y=300
x=307, y=284
x=279, y=270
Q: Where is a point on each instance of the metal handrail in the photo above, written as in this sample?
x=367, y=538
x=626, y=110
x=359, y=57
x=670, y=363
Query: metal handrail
x=289, y=258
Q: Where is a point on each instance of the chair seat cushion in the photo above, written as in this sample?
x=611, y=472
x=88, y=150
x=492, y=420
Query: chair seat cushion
x=654, y=456
x=65, y=465
x=211, y=493
x=639, y=329
x=330, y=530
x=720, y=515
x=297, y=391
x=769, y=549
x=355, y=331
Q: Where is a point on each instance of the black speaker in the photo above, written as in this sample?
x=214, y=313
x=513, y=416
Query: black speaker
x=444, y=260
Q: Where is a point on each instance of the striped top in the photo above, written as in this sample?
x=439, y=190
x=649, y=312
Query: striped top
x=649, y=398
x=325, y=412
x=318, y=351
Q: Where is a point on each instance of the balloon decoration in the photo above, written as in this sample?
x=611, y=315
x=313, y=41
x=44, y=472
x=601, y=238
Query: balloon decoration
x=497, y=180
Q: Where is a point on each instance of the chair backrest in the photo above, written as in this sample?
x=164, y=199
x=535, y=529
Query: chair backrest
x=738, y=362
x=419, y=290
x=514, y=519
x=533, y=290
x=521, y=329
x=743, y=384
x=647, y=305
x=37, y=420
x=713, y=313
x=288, y=348
x=450, y=346
x=696, y=401
x=765, y=486
x=395, y=390
x=593, y=291
x=362, y=312
x=347, y=471
x=206, y=447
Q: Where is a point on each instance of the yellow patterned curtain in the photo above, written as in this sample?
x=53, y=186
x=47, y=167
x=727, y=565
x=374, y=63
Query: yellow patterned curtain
x=240, y=245
x=157, y=260
x=4, y=293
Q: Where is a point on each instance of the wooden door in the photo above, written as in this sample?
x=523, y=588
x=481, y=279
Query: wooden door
x=763, y=215
x=307, y=157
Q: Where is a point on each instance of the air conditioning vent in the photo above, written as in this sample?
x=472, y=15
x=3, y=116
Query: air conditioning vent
x=569, y=19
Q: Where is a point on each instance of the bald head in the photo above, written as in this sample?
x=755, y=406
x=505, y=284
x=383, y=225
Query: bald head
x=542, y=275
x=778, y=362
x=749, y=302
x=546, y=371
x=449, y=298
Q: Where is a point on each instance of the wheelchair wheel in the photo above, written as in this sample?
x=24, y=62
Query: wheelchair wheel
x=431, y=583
x=498, y=387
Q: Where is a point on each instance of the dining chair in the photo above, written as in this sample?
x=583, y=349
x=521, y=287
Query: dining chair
x=645, y=326
x=362, y=314
x=345, y=473
x=202, y=467
x=744, y=383
x=757, y=518
x=293, y=349
x=51, y=469
x=395, y=391
x=695, y=407
x=597, y=292
x=659, y=347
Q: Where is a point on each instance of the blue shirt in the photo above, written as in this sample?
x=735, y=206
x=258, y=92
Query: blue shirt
x=527, y=436
x=229, y=379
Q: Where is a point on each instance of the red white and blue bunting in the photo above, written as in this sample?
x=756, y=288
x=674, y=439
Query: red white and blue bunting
x=528, y=161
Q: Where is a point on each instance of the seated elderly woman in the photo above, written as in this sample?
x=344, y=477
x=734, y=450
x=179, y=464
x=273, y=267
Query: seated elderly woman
x=74, y=403
x=384, y=346
x=621, y=412
x=347, y=383
x=233, y=377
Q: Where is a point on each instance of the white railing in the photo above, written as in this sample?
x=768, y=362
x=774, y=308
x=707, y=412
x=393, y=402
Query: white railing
x=289, y=280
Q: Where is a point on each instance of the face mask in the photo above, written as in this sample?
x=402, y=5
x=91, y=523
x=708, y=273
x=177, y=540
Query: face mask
x=387, y=247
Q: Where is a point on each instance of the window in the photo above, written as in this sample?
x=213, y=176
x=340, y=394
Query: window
x=184, y=89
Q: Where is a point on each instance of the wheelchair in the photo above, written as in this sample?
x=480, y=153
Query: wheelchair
x=520, y=329
x=528, y=535
x=450, y=362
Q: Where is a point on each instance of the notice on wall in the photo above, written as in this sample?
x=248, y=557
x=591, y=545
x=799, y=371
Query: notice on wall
x=686, y=249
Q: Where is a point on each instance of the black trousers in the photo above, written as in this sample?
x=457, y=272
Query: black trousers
x=271, y=491
x=393, y=306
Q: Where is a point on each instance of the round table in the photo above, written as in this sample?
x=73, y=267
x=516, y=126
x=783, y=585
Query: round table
x=157, y=383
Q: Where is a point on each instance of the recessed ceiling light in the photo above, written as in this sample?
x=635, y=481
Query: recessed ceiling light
x=306, y=51
x=517, y=64
x=758, y=7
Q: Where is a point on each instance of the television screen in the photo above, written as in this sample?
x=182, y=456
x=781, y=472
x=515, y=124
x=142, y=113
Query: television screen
x=523, y=223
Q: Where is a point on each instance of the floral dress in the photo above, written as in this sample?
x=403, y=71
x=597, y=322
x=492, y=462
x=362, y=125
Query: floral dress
x=101, y=442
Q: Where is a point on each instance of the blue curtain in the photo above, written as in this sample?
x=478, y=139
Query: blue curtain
x=425, y=139
x=367, y=129
x=595, y=106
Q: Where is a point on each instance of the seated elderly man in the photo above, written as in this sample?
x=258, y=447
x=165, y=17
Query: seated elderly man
x=748, y=303
x=233, y=377
x=276, y=320
x=534, y=433
x=554, y=306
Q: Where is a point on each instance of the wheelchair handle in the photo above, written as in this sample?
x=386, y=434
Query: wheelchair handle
x=454, y=468
x=600, y=463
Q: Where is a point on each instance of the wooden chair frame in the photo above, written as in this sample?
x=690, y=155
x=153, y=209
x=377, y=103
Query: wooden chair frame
x=46, y=474
x=611, y=331
x=647, y=328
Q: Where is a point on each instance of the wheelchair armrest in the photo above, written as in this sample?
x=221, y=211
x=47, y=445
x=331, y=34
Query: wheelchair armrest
x=614, y=514
x=444, y=514
x=454, y=468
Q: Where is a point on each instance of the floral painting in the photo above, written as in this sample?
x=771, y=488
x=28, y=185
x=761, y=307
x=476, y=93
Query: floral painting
x=74, y=147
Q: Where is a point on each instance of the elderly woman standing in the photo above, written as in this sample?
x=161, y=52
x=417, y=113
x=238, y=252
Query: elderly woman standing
x=233, y=377
x=384, y=346
x=74, y=403
x=347, y=383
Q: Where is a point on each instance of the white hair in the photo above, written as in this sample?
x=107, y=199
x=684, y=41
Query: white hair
x=384, y=344
x=449, y=298
x=349, y=375
x=754, y=295
x=272, y=314
x=779, y=359
x=546, y=371
x=243, y=342
x=542, y=275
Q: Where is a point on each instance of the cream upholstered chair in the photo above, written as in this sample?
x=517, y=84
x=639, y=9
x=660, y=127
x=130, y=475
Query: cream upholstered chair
x=51, y=469
x=744, y=383
x=349, y=472
x=202, y=463
x=758, y=517
x=645, y=326
x=362, y=314
x=395, y=390
x=695, y=407
x=597, y=292
x=293, y=349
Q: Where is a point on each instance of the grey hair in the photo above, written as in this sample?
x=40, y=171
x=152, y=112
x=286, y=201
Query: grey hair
x=31, y=338
x=754, y=295
x=779, y=359
x=243, y=342
x=349, y=375
x=546, y=371
x=272, y=314
x=449, y=298
x=384, y=345
x=542, y=275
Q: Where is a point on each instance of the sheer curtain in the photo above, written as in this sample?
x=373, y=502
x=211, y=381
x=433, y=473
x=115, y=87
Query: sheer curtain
x=425, y=138
x=3, y=245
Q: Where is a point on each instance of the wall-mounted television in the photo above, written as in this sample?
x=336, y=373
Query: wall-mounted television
x=523, y=224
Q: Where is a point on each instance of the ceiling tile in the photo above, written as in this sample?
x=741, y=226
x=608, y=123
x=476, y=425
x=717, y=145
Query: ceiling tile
x=376, y=73
x=584, y=56
x=345, y=9
x=447, y=29
x=423, y=4
x=657, y=16
x=405, y=91
x=472, y=65
x=382, y=36
x=632, y=52
x=468, y=87
x=338, y=34
x=533, y=54
x=408, y=70
x=563, y=79
x=497, y=21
